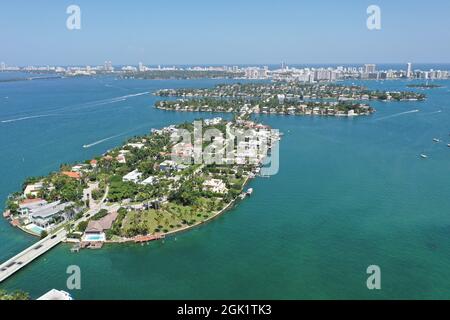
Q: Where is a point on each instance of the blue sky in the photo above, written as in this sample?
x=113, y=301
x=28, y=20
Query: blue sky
x=223, y=32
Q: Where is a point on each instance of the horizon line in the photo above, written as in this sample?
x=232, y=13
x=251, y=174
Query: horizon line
x=222, y=64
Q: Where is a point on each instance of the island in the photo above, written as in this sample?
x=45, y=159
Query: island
x=424, y=86
x=281, y=97
x=293, y=90
x=149, y=187
x=181, y=74
x=272, y=105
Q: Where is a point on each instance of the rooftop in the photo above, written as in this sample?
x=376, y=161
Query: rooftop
x=104, y=223
x=71, y=174
x=55, y=295
x=50, y=209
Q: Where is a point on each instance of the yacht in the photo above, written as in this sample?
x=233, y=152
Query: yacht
x=436, y=140
x=424, y=156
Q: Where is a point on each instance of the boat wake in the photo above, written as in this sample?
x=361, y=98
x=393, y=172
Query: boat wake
x=397, y=115
x=101, y=141
x=430, y=113
x=26, y=118
x=115, y=136
x=59, y=111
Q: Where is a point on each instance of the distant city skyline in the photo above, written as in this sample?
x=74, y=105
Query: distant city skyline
x=230, y=32
x=305, y=73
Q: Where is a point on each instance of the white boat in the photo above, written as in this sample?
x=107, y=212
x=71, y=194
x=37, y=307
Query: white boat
x=249, y=191
x=436, y=140
x=448, y=145
x=424, y=156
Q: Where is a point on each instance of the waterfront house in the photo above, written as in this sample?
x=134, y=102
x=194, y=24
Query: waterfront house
x=78, y=168
x=45, y=215
x=213, y=121
x=96, y=228
x=71, y=174
x=29, y=205
x=32, y=189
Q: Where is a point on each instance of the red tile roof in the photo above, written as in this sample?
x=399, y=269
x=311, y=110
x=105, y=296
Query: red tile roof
x=28, y=201
x=71, y=174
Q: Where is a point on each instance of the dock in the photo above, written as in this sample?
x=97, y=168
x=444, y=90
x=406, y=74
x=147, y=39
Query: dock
x=142, y=239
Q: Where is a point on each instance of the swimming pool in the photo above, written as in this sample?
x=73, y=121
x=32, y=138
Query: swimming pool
x=95, y=237
x=35, y=229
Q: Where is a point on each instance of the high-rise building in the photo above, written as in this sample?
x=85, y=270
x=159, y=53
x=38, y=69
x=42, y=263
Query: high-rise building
x=370, y=68
x=2, y=66
x=108, y=66
x=409, y=72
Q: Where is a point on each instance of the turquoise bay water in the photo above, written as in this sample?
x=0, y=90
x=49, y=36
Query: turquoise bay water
x=350, y=193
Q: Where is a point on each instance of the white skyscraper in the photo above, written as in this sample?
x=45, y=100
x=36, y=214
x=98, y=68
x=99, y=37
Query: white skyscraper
x=2, y=66
x=108, y=66
x=409, y=72
x=370, y=68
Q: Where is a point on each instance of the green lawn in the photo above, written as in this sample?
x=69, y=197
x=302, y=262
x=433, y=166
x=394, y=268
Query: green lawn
x=170, y=217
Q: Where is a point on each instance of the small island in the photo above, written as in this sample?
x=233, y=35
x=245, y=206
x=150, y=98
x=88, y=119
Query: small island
x=281, y=97
x=424, y=86
x=150, y=187
x=293, y=90
x=181, y=74
x=273, y=105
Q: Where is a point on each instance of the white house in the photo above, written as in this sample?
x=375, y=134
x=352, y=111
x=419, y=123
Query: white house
x=149, y=181
x=28, y=205
x=33, y=189
x=215, y=185
x=133, y=176
x=136, y=145
x=44, y=215
x=213, y=121
x=167, y=165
